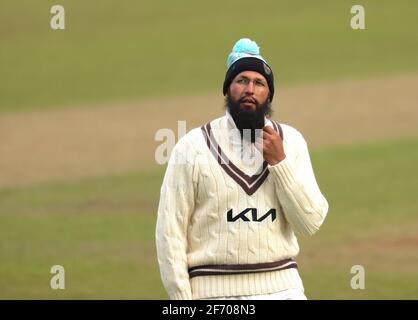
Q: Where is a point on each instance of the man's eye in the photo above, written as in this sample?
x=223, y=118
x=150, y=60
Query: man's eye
x=260, y=83
x=245, y=81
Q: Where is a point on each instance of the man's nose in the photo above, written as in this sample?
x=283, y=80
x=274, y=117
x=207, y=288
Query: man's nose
x=249, y=89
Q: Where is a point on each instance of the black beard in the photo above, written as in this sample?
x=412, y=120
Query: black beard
x=248, y=119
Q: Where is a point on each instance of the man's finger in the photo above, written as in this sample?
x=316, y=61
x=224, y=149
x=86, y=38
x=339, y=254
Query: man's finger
x=269, y=130
x=268, y=136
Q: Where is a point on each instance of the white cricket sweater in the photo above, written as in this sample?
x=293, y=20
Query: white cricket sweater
x=226, y=227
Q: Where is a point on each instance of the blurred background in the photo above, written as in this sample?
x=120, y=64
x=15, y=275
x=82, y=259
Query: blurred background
x=80, y=107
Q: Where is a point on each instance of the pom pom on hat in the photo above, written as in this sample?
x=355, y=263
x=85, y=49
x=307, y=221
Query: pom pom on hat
x=244, y=48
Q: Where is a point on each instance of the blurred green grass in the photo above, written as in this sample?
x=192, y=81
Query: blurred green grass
x=113, y=51
x=373, y=222
x=102, y=231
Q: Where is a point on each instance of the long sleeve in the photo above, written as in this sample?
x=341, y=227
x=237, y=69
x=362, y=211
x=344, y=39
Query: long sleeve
x=303, y=204
x=175, y=208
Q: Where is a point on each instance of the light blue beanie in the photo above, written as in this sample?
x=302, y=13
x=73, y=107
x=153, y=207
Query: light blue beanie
x=245, y=56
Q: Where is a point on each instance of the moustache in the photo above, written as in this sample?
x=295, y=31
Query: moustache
x=249, y=99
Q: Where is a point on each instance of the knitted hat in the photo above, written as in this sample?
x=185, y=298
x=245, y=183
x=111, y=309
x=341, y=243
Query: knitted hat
x=245, y=56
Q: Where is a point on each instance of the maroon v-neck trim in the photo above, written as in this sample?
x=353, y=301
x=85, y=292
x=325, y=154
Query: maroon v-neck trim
x=249, y=184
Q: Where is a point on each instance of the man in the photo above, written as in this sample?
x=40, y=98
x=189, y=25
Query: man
x=235, y=193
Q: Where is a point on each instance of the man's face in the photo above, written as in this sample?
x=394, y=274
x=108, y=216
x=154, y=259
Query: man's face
x=249, y=89
x=247, y=102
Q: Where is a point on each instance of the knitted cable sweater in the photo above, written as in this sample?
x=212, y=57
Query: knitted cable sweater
x=225, y=226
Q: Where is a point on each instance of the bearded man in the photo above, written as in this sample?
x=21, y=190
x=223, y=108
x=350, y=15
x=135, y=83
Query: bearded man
x=235, y=194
